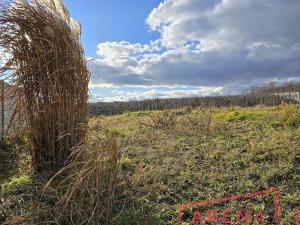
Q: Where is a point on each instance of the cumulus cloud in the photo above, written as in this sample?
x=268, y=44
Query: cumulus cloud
x=227, y=23
x=212, y=43
x=118, y=49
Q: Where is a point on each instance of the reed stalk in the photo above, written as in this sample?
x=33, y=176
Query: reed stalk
x=48, y=79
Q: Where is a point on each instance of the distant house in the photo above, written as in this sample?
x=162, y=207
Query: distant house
x=295, y=96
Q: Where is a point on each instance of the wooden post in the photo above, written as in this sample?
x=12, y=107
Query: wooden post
x=2, y=108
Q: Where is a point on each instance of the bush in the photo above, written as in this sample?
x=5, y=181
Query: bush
x=162, y=120
x=200, y=121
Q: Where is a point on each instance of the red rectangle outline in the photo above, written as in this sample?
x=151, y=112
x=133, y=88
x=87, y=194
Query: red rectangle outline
x=273, y=191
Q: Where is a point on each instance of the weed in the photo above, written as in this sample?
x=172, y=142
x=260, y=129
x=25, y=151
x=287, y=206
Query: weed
x=286, y=116
x=125, y=163
x=162, y=120
x=276, y=125
x=201, y=121
x=15, y=182
x=236, y=116
x=293, y=121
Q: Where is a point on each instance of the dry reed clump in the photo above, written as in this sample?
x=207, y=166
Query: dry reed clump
x=83, y=191
x=48, y=80
x=86, y=192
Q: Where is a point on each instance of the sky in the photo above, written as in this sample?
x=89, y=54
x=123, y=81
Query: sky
x=184, y=48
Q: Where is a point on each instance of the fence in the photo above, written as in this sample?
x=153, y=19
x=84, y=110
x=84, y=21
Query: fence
x=6, y=111
x=112, y=108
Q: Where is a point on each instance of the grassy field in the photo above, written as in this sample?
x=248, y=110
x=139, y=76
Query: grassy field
x=189, y=155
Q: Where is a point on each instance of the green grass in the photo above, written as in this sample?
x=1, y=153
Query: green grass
x=15, y=182
x=240, y=115
x=138, y=113
x=246, y=150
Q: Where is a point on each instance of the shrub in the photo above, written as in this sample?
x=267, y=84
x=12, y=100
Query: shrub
x=200, y=121
x=162, y=120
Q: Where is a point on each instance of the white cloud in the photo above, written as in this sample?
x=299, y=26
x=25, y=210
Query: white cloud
x=213, y=43
x=102, y=85
x=119, y=49
x=156, y=92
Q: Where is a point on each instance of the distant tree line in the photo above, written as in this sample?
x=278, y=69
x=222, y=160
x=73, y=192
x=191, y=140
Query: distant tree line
x=270, y=94
x=274, y=88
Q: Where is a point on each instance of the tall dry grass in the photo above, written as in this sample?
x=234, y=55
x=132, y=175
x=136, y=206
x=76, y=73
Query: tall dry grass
x=82, y=192
x=84, y=189
x=48, y=79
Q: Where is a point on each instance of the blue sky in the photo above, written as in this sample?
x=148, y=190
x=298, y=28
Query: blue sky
x=112, y=20
x=183, y=48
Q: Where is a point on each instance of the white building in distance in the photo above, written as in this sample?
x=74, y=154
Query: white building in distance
x=290, y=95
